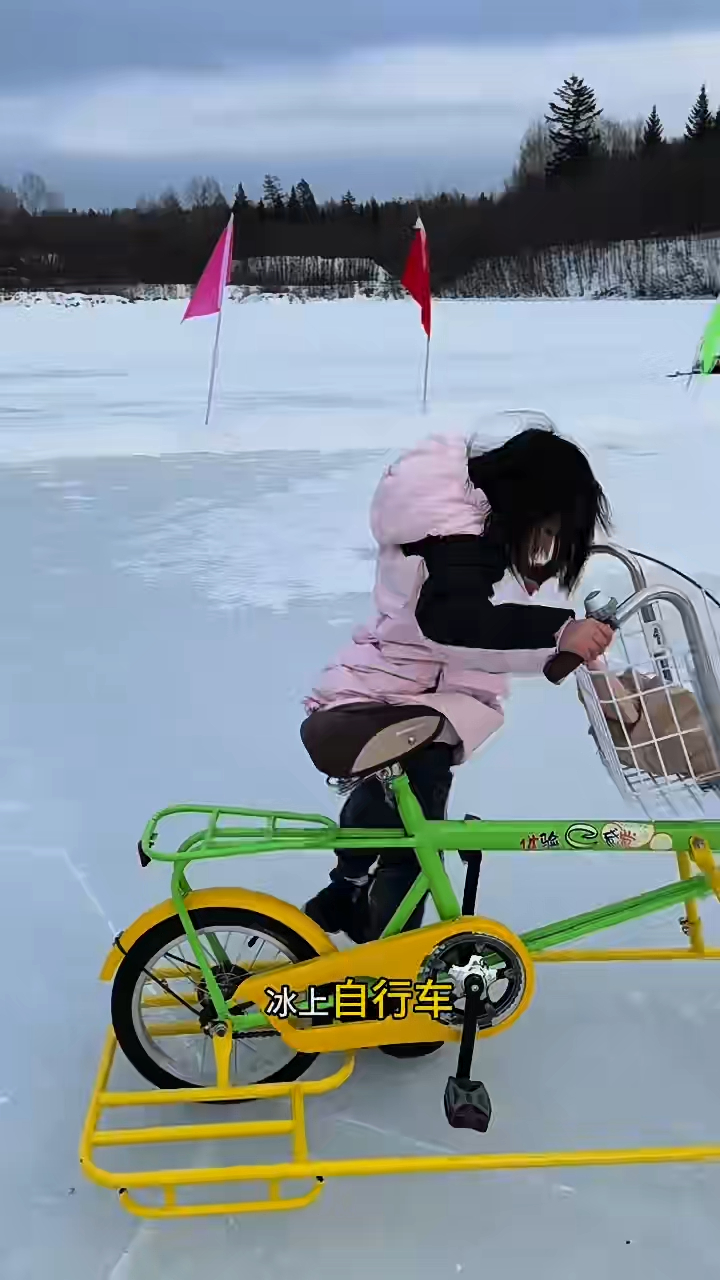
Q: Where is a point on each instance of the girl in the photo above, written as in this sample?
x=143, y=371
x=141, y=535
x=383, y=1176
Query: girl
x=450, y=520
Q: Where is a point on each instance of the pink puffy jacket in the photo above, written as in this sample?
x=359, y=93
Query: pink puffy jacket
x=427, y=493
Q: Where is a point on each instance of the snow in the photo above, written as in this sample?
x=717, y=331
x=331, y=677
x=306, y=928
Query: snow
x=169, y=594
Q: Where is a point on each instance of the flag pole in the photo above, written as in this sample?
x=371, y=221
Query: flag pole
x=225, y=271
x=416, y=279
x=213, y=366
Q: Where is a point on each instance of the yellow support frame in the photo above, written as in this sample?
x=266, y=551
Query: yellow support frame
x=300, y=1167
x=168, y=1181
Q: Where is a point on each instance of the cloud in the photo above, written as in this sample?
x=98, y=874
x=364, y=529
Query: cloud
x=385, y=102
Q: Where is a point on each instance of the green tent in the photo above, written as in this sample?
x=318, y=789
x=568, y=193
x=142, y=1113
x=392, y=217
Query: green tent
x=709, y=354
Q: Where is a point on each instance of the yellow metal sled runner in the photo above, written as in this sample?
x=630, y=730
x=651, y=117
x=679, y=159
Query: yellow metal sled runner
x=226, y=996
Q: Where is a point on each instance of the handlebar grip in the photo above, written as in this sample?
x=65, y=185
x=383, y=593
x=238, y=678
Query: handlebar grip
x=561, y=665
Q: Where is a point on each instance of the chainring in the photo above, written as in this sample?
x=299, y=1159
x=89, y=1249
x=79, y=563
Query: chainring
x=494, y=960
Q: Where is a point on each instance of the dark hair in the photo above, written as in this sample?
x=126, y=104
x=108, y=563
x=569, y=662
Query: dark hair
x=533, y=477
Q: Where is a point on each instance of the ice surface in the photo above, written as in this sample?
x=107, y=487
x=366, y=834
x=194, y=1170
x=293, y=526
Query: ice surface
x=168, y=595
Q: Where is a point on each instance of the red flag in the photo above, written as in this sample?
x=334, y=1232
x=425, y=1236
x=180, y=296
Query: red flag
x=416, y=276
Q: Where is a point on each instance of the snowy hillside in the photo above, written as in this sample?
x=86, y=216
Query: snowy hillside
x=682, y=268
x=644, y=269
x=295, y=277
x=312, y=276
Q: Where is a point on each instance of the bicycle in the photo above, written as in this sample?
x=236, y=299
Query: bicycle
x=225, y=995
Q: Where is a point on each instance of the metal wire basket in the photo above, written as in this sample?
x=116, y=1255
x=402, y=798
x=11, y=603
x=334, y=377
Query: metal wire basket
x=654, y=703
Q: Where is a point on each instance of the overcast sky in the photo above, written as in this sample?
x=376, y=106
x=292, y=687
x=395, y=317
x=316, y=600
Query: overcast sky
x=111, y=100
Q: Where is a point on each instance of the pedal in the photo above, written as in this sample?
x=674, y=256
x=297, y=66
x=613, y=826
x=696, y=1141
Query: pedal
x=466, y=1101
x=467, y=1104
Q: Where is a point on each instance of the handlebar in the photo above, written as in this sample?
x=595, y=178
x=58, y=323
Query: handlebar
x=598, y=607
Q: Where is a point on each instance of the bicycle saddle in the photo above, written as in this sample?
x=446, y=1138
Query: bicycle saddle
x=356, y=740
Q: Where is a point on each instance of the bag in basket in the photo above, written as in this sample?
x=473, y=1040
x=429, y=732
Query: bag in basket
x=656, y=728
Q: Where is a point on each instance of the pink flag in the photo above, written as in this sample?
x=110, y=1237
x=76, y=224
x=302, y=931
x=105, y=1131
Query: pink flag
x=208, y=296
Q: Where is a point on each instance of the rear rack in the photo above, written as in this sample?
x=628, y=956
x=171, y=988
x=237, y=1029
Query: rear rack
x=269, y=831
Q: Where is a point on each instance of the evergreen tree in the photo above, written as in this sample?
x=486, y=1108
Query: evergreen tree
x=271, y=188
x=347, y=204
x=653, y=131
x=307, y=200
x=572, y=125
x=240, y=200
x=700, y=121
x=294, y=208
x=261, y=211
x=717, y=119
x=273, y=195
x=374, y=212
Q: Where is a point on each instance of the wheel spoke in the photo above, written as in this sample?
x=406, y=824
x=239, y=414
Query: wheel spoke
x=184, y=1053
x=181, y=960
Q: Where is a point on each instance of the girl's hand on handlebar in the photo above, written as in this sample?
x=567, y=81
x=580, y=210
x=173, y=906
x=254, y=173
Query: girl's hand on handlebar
x=587, y=638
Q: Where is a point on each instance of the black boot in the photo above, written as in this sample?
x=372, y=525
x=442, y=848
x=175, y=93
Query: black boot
x=342, y=907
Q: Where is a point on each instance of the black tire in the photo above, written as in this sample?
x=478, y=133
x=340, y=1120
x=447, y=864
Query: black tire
x=419, y=1050
x=162, y=936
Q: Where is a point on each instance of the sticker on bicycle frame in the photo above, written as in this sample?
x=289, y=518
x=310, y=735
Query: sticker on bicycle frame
x=661, y=841
x=546, y=840
x=628, y=835
x=582, y=835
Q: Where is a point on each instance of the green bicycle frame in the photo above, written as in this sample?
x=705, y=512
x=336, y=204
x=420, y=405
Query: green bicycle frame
x=276, y=832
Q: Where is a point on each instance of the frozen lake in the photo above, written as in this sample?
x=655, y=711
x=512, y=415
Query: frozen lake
x=169, y=594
